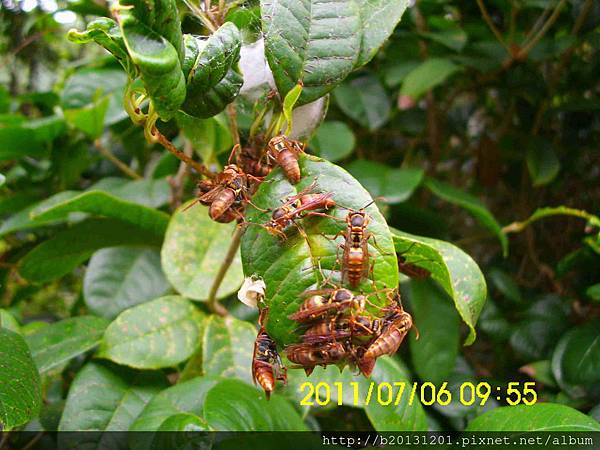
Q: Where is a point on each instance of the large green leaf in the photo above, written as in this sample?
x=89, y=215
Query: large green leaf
x=434, y=353
x=20, y=392
x=302, y=45
x=452, y=268
x=108, y=398
x=364, y=100
x=105, y=32
x=57, y=343
x=160, y=333
x=69, y=248
x=227, y=348
x=29, y=138
x=333, y=140
x=118, y=278
x=158, y=62
x=378, y=20
x=290, y=267
x=576, y=358
x=193, y=252
x=426, y=76
x=394, y=185
x=471, y=204
x=540, y=417
x=210, y=67
x=186, y=397
x=232, y=405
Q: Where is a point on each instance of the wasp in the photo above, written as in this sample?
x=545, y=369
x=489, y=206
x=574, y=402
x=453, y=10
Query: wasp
x=297, y=206
x=317, y=306
x=266, y=362
x=225, y=195
x=252, y=165
x=396, y=325
x=285, y=152
x=309, y=356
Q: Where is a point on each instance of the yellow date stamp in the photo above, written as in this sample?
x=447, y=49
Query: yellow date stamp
x=400, y=392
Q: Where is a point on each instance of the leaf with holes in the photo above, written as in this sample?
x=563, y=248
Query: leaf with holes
x=193, y=252
x=211, y=71
x=227, y=348
x=452, y=268
x=290, y=267
x=57, y=343
x=160, y=333
x=302, y=45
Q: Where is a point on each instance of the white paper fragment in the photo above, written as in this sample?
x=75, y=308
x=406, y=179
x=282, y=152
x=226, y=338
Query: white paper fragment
x=252, y=291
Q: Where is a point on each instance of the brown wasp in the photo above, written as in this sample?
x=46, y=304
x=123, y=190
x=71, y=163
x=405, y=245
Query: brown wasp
x=266, y=363
x=297, y=206
x=227, y=193
x=251, y=163
x=396, y=325
x=285, y=152
x=317, y=305
x=308, y=356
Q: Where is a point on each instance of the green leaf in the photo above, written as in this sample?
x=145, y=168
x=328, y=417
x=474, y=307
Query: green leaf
x=8, y=321
x=29, y=138
x=401, y=417
x=429, y=74
x=90, y=118
x=288, y=104
x=593, y=292
x=118, y=278
x=209, y=137
x=540, y=417
x=290, y=267
x=505, y=284
x=187, y=397
x=20, y=392
x=61, y=341
x=232, y=405
x=104, y=204
x=542, y=162
x=108, y=398
x=395, y=74
x=301, y=45
x=227, y=348
x=470, y=203
x=540, y=371
x=105, y=32
x=454, y=38
x=158, y=62
x=378, y=20
x=193, y=252
x=68, y=249
x=179, y=422
x=364, y=100
x=394, y=185
x=2, y=180
x=160, y=333
x=576, y=358
x=453, y=269
x=434, y=353
x=333, y=141
x=210, y=67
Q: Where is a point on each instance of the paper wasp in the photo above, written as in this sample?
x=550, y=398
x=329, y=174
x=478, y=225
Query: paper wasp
x=285, y=152
x=266, y=363
x=308, y=356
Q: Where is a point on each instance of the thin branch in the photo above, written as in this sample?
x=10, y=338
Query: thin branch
x=116, y=161
x=517, y=227
x=162, y=140
x=212, y=302
x=178, y=181
x=534, y=40
x=490, y=24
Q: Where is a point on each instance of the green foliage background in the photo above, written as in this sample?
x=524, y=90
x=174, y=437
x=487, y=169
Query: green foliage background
x=477, y=122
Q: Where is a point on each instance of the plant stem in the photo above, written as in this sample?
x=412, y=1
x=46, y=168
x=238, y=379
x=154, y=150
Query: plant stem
x=212, y=302
x=116, y=161
x=490, y=23
x=517, y=227
x=162, y=140
x=534, y=40
x=177, y=182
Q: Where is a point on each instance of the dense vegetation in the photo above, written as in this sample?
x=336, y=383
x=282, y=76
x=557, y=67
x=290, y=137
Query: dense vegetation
x=475, y=124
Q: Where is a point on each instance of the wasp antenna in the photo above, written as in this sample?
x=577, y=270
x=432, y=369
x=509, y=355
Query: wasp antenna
x=235, y=149
x=194, y=203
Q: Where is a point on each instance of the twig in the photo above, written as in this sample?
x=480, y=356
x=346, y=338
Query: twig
x=490, y=23
x=527, y=47
x=517, y=227
x=212, y=302
x=177, y=182
x=162, y=140
x=116, y=161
